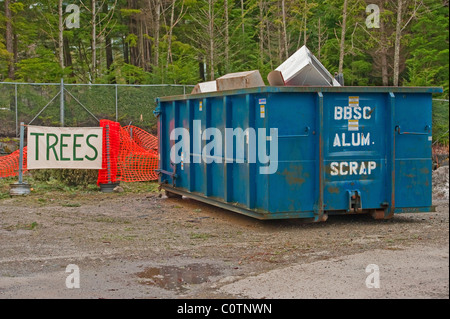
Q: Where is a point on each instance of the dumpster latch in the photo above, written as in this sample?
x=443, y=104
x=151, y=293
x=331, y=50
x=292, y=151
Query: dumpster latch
x=173, y=174
x=398, y=129
x=354, y=201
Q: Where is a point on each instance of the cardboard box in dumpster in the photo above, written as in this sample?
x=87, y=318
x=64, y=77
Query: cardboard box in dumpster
x=240, y=80
x=231, y=81
x=205, y=87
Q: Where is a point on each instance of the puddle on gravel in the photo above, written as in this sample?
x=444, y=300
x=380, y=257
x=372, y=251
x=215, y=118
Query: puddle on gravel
x=177, y=278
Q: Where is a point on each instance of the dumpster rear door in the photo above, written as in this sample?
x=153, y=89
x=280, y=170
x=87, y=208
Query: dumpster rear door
x=356, y=148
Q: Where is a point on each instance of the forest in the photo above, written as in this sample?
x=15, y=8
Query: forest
x=373, y=42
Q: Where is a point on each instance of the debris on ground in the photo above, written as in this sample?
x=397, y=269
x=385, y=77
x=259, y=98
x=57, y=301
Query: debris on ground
x=441, y=183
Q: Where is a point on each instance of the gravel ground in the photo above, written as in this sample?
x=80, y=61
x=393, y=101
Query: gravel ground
x=138, y=245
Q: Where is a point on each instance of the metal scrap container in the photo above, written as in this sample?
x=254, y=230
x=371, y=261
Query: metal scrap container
x=340, y=150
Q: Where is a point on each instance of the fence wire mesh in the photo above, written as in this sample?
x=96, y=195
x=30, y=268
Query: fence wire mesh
x=80, y=105
x=440, y=121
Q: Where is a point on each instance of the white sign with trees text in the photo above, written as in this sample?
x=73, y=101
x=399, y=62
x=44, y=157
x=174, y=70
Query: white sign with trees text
x=64, y=147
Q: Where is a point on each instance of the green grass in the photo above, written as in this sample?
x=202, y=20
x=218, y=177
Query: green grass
x=71, y=204
x=4, y=186
x=140, y=187
x=44, y=192
x=22, y=226
x=202, y=236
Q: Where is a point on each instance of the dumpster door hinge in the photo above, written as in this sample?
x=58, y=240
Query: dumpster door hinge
x=157, y=111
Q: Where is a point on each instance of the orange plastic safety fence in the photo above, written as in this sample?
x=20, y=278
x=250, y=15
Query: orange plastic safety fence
x=143, y=138
x=133, y=156
x=111, y=150
x=138, y=156
x=9, y=164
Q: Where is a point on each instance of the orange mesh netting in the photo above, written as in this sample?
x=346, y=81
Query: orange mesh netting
x=9, y=164
x=138, y=157
x=133, y=156
x=111, y=143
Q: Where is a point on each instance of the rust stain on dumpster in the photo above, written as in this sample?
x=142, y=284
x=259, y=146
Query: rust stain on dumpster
x=333, y=190
x=294, y=175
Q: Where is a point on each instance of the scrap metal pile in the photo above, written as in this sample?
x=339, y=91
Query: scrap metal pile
x=300, y=69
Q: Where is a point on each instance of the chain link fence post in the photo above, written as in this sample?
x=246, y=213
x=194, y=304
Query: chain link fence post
x=117, y=109
x=61, y=103
x=16, y=110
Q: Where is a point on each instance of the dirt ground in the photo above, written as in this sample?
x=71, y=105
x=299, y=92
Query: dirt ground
x=138, y=245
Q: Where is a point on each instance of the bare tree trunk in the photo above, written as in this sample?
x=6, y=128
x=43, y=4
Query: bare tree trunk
x=211, y=39
x=201, y=70
x=94, y=40
x=261, y=31
x=320, y=41
x=169, y=38
x=67, y=55
x=173, y=22
x=60, y=34
x=305, y=22
x=9, y=40
x=108, y=43
x=342, y=43
x=148, y=51
x=398, y=37
x=242, y=17
x=15, y=48
x=384, y=67
x=157, y=27
x=269, y=46
x=140, y=43
x=227, y=38
x=300, y=34
x=109, y=52
x=283, y=14
x=280, y=45
x=383, y=50
x=126, y=55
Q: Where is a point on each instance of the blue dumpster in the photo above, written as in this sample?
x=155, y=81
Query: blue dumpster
x=300, y=152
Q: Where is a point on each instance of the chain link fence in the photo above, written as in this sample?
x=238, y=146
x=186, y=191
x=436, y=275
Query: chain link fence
x=440, y=122
x=62, y=104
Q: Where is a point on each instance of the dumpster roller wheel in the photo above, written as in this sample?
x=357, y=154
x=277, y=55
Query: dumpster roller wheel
x=380, y=214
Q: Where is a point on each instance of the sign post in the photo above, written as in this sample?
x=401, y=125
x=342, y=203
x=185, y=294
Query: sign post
x=20, y=188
